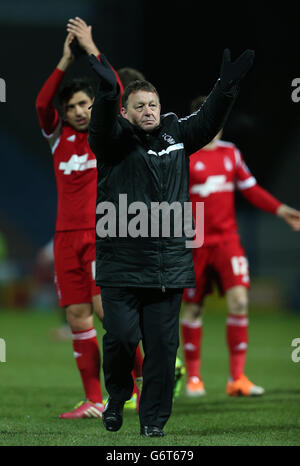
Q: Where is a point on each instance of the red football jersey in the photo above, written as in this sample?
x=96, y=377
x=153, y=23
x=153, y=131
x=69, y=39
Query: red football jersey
x=76, y=178
x=214, y=175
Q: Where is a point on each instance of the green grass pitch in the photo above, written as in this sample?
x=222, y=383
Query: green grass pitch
x=39, y=380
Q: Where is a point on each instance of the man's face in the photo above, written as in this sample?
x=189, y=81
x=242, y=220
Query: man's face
x=77, y=111
x=143, y=110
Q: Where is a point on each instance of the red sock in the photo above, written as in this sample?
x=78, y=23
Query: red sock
x=237, y=341
x=192, y=336
x=87, y=355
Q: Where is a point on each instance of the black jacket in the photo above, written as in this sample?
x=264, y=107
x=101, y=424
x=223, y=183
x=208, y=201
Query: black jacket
x=147, y=167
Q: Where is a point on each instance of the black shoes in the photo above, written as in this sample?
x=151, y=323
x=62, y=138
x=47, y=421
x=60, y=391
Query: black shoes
x=152, y=431
x=112, y=415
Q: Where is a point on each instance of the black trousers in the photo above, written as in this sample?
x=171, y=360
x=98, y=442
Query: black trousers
x=150, y=315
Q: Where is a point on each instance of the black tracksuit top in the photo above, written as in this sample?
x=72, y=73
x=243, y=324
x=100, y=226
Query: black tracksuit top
x=148, y=167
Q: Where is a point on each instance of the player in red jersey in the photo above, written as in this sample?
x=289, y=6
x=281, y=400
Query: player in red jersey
x=215, y=172
x=74, y=243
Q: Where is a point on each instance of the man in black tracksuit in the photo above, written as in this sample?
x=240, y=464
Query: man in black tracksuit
x=142, y=158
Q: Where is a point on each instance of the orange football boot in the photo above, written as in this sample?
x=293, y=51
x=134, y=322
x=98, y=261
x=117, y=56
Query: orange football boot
x=243, y=387
x=195, y=387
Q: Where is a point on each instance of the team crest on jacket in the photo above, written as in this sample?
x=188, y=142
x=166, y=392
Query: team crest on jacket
x=168, y=138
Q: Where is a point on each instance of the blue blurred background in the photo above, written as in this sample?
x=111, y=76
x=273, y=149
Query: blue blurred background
x=178, y=46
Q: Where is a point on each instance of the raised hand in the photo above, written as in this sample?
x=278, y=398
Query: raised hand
x=83, y=34
x=67, y=52
x=233, y=71
x=67, y=56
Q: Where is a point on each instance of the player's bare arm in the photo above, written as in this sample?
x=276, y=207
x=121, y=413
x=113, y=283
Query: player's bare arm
x=290, y=215
x=67, y=56
x=83, y=33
